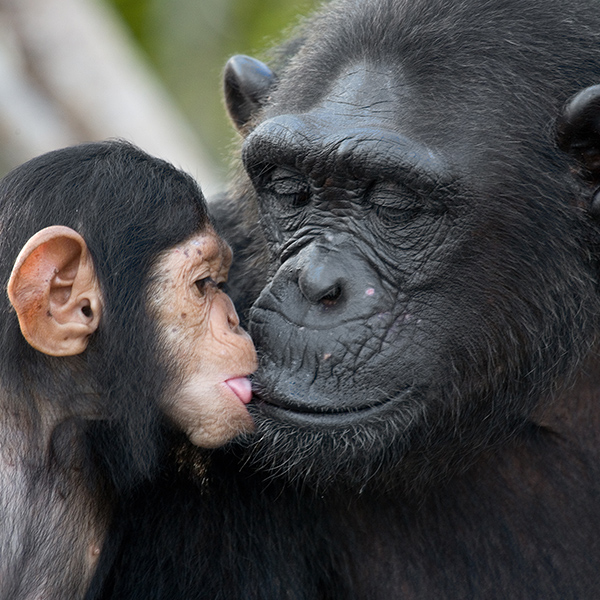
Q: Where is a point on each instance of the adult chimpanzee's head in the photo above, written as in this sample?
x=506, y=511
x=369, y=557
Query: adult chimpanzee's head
x=115, y=315
x=431, y=257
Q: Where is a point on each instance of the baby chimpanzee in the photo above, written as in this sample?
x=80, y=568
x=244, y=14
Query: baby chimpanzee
x=115, y=333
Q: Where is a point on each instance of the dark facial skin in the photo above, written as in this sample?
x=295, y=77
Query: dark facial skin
x=328, y=208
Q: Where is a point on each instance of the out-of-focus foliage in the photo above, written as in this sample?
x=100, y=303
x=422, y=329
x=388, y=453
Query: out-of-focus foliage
x=188, y=41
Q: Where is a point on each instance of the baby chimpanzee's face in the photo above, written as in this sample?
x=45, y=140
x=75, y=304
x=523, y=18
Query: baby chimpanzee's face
x=202, y=337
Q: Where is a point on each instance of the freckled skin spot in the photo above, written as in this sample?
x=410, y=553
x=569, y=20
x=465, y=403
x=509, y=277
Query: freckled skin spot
x=183, y=315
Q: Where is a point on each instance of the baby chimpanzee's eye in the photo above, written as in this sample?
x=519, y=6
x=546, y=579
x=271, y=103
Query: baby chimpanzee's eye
x=203, y=284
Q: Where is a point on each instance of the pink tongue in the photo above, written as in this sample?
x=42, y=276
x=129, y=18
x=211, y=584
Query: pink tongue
x=242, y=387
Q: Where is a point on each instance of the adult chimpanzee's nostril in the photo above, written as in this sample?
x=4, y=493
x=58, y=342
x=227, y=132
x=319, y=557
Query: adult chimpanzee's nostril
x=322, y=283
x=332, y=297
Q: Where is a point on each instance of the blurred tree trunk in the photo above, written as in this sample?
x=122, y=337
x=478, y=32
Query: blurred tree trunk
x=189, y=42
x=70, y=73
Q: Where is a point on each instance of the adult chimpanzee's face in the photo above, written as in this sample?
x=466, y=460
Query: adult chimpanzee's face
x=418, y=273
x=356, y=215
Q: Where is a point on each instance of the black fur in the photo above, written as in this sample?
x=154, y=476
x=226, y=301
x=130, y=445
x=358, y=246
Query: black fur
x=427, y=400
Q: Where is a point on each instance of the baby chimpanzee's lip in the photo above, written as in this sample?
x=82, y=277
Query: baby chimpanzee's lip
x=241, y=387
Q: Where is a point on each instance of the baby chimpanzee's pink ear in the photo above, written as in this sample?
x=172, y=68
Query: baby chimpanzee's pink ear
x=55, y=292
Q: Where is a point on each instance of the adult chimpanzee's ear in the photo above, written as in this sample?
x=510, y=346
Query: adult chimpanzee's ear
x=578, y=130
x=247, y=83
x=55, y=292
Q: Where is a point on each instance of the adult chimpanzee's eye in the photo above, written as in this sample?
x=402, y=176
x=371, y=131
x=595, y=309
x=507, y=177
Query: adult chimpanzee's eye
x=288, y=186
x=394, y=203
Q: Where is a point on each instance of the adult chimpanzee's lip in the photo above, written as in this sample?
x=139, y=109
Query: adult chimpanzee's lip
x=273, y=405
x=292, y=393
x=306, y=418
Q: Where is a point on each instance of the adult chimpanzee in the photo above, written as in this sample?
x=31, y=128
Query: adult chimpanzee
x=112, y=270
x=423, y=215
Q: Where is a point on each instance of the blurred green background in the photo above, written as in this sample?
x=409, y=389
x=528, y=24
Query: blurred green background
x=189, y=41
